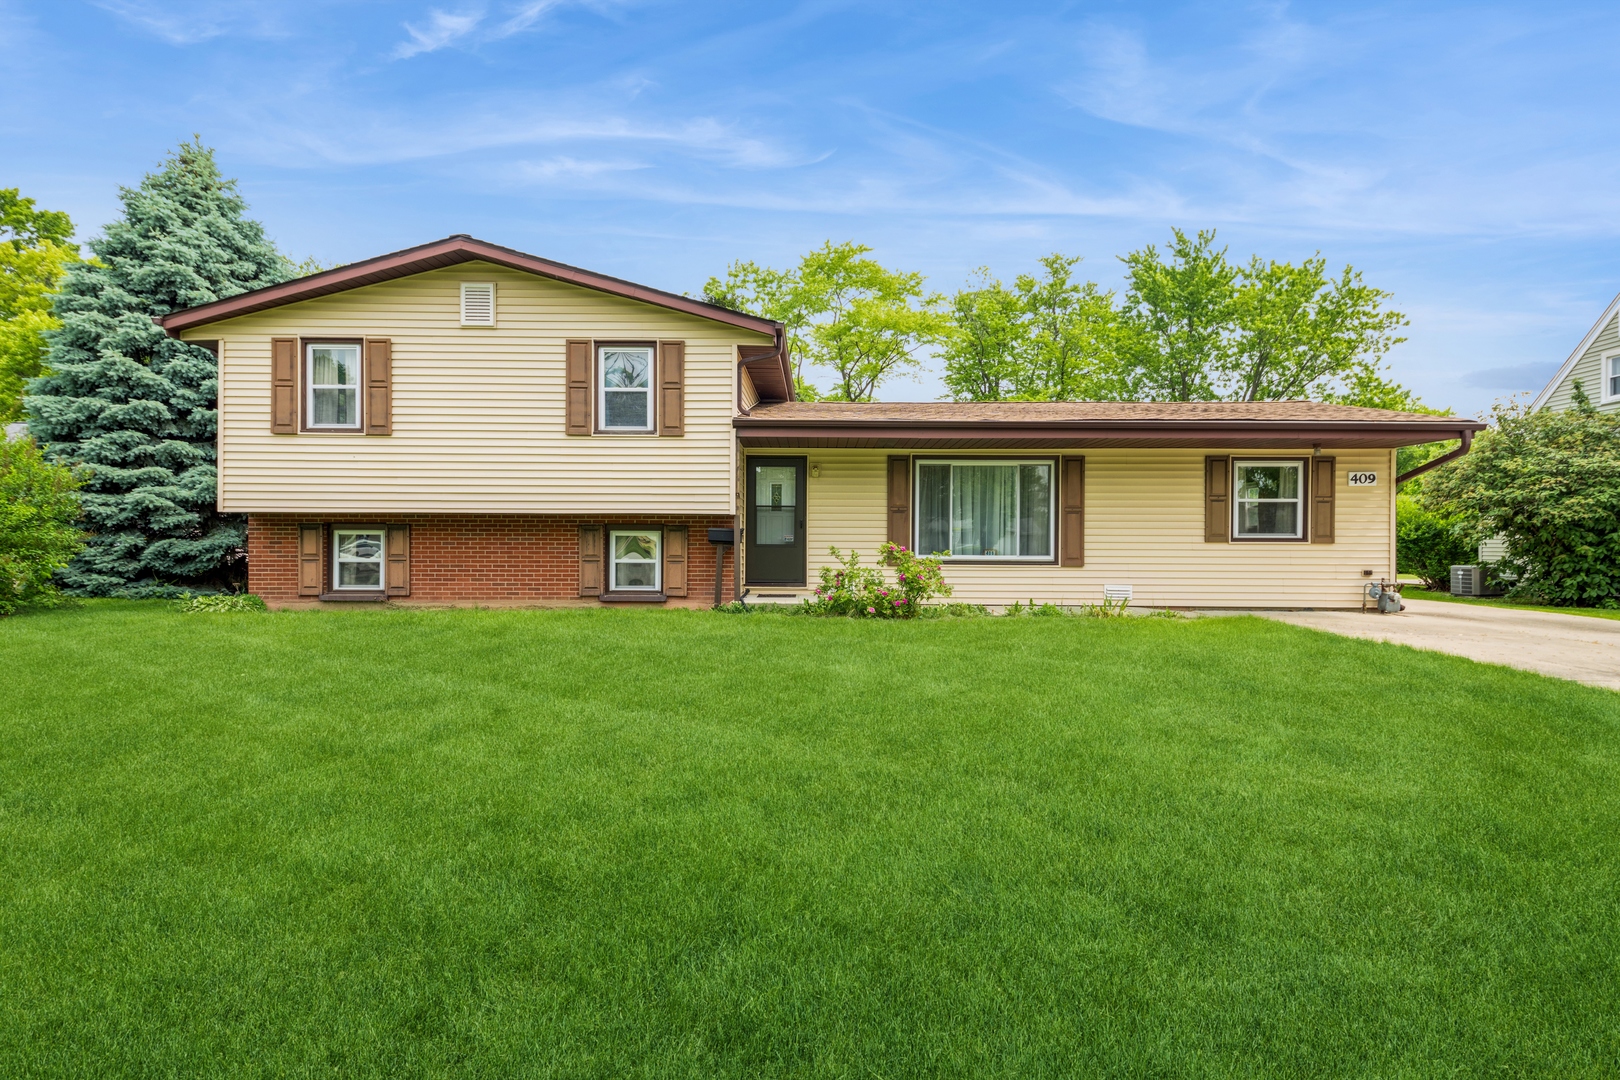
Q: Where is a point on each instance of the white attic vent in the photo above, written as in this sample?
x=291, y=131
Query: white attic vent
x=477, y=303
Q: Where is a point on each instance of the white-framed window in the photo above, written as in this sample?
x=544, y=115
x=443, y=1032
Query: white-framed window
x=624, y=387
x=332, y=375
x=986, y=509
x=357, y=559
x=634, y=564
x=1611, y=377
x=477, y=303
x=1270, y=500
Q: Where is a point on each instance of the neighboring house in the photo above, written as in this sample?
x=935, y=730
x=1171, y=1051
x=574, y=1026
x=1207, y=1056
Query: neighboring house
x=1595, y=362
x=463, y=423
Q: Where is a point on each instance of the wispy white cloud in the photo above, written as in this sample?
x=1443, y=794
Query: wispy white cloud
x=442, y=28
x=195, y=21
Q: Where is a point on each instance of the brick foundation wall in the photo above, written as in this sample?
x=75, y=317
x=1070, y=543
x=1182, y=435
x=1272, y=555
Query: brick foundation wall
x=480, y=558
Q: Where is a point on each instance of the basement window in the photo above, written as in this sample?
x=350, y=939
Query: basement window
x=357, y=559
x=635, y=562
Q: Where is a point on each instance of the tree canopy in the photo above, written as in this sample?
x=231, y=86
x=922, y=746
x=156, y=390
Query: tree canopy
x=136, y=407
x=1191, y=326
x=35, y=250
x=1549, y=484
x=845, y=314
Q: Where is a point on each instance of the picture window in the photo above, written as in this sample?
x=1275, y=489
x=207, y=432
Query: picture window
x=985, y=509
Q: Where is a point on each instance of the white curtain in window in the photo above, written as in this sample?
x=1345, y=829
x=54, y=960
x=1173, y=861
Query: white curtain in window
x=984, y=521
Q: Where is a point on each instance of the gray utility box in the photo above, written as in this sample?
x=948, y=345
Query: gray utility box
x=1468, y=581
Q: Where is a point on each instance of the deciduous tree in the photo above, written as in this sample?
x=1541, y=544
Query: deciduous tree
x=846, y=313
x=35, y=250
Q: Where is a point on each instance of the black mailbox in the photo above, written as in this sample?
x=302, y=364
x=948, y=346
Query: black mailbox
x=722, y=536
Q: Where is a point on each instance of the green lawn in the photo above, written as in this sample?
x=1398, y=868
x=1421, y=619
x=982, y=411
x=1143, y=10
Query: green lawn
x=1417, y=593
x=646, y=844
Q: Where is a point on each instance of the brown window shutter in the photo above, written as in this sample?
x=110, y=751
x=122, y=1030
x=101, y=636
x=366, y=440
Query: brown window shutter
x=675, y=561
x=1217, y=500
x=1072, y=525
x=672, y=388
x=1322, y=500
x=311, y=570
x=399, y=560
x=379, y=386
x=579, y=388
x=590, y=560
x=284, y=385
x=900, y=501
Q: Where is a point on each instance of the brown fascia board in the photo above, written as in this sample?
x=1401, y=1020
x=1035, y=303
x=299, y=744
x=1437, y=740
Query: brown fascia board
x=1272, y=434
x=435, y=256
x=771, y=370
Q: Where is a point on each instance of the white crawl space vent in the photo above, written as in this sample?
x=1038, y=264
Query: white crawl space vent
x=1117, y=592
x=477, y=303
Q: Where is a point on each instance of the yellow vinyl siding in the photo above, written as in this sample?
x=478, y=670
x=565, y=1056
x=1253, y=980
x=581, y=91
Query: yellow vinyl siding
x=1144, y=528
x=478, y=412
x=1589, y=370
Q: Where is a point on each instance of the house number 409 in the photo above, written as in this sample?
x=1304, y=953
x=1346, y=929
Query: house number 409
x=1363, y=479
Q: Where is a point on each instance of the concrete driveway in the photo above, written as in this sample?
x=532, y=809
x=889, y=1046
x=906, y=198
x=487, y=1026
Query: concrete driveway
x=1574, y=647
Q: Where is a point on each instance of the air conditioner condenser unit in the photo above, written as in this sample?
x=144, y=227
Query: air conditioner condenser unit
x=1468, y=580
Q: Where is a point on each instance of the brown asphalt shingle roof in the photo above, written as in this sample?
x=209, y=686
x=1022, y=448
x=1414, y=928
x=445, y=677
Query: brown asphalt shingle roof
x=1061, y=412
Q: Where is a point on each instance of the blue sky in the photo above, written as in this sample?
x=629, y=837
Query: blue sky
x=1463, y=156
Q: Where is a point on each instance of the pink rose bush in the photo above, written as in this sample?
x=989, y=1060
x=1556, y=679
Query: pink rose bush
x=856, y=591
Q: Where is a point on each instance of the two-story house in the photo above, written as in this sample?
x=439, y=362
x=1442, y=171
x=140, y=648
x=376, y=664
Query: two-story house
x=463, y=423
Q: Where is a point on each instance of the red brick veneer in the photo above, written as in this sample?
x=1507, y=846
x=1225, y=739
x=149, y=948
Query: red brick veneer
x=479, y=558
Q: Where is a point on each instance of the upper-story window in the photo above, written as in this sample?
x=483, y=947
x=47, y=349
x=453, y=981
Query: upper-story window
x=332, y=375
x=624, y=374
x=1611, y=377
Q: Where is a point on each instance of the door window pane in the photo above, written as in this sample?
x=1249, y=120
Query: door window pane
x=357, y=559
x=635, y=560
x=776, y=497
x=1268, y=498
x=933, y=509
x=627, y=387
x=334, y=385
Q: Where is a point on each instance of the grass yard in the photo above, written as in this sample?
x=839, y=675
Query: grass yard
x=1417, y=593
x=647, y=844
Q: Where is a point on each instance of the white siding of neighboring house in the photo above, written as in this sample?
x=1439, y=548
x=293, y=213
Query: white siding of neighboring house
x=1588, y=369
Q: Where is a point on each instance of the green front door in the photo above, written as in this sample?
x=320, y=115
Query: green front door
x=775, y=541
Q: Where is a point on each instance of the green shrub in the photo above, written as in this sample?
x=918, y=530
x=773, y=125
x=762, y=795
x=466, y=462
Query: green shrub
x=863, y=592
x=1428, y=543
x=39, y=530
x=221, y=602
x=1549, y=483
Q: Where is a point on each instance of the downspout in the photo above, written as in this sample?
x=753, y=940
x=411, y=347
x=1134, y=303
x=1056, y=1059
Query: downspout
x=1435, y=463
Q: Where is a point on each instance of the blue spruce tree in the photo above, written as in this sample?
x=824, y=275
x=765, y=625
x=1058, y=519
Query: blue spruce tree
x=138, y=407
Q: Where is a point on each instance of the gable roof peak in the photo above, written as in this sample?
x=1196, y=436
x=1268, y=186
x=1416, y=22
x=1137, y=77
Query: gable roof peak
x=438, y=254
